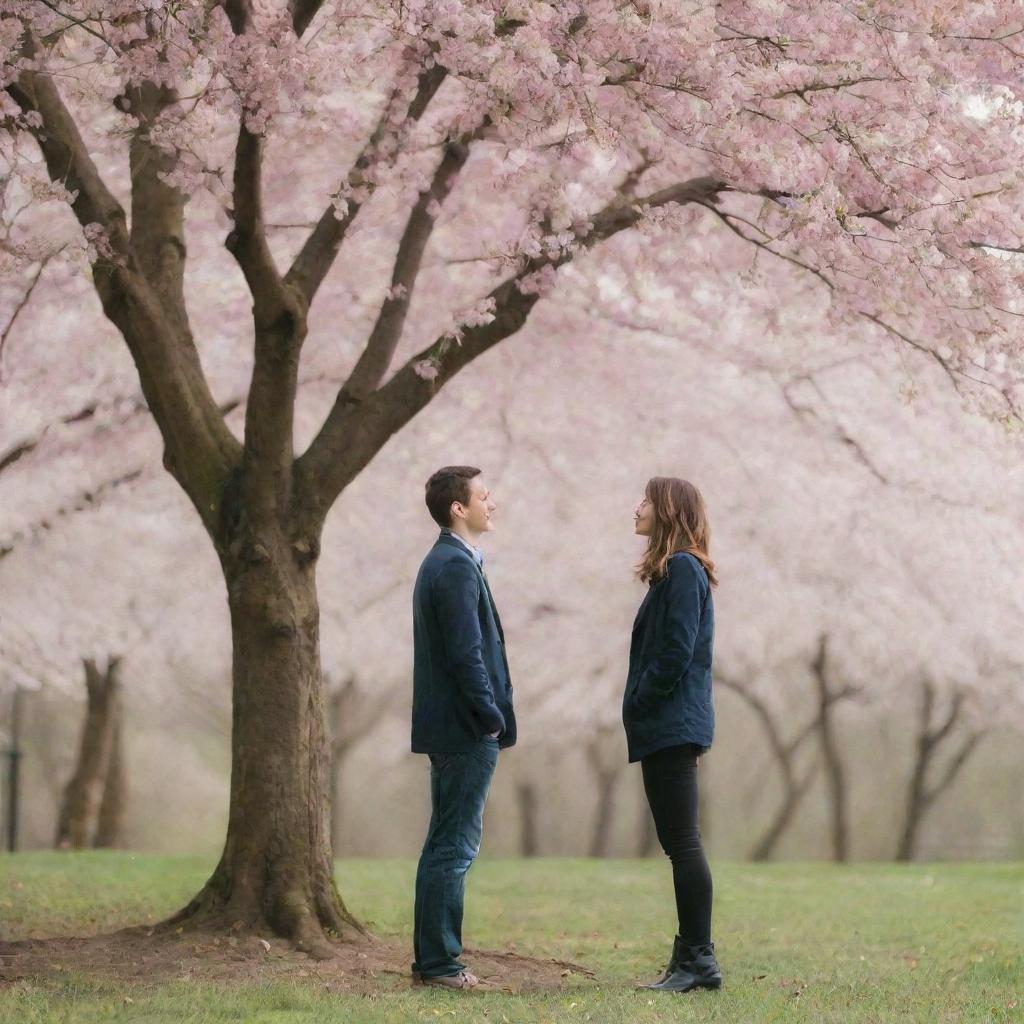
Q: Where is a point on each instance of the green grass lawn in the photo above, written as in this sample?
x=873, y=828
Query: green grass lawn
x=797, y=942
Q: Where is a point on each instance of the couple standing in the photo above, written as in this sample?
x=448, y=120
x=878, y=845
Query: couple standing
x=462, y=711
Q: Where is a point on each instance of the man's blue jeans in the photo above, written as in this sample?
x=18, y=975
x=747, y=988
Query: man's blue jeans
x=458, y=791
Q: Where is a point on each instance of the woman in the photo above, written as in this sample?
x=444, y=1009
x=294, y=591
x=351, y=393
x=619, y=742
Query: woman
x=667, y=709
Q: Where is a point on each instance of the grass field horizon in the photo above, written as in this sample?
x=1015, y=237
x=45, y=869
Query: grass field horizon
x=817, y=942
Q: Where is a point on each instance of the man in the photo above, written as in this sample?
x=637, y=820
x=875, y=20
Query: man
x=461, y=714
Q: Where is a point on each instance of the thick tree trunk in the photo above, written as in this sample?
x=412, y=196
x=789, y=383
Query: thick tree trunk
x=110, y=823
x=275, y=871
x=84, y=791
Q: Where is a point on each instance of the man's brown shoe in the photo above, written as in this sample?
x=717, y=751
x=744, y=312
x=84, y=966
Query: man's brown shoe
x=461, y=980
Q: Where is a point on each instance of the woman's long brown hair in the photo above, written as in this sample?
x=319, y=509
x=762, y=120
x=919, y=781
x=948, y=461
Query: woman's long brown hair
x=680, y=524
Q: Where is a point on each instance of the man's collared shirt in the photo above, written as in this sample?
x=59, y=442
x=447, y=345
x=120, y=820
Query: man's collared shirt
x=478, y=555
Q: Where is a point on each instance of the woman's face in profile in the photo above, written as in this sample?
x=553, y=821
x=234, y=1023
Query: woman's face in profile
x=643, y=518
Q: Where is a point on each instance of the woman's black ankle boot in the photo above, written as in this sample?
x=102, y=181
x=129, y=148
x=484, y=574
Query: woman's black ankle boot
x=678, y=952
x=691, y=967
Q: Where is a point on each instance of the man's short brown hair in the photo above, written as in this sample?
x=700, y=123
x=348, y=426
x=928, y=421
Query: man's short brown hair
x=445, y=486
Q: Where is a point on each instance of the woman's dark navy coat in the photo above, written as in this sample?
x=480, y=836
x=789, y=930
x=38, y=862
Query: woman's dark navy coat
x=668, y=689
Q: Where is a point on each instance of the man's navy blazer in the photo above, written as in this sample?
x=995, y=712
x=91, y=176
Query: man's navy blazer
x=668, y=698
x=461, y=686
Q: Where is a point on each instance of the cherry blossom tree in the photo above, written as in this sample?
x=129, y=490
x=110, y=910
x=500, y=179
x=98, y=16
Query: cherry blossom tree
x=94, y=795
x=937, y=728
x=353, y=714
x=796, y=781
x=875, y=149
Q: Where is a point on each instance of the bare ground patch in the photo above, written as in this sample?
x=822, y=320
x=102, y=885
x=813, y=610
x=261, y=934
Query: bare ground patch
x=144, y=956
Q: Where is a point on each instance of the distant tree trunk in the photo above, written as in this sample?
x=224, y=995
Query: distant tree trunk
x=705, y=808
x=529, y=836
x=276, y=867
x=84, y=791
x=14, y=754
x=601, y=836
x=110, y=823
x=930, y=737
x=794, y=785
x=606, y=776
x=795, y=790
x=337, y=762
x=352, y=715
x=339, y=751
x=835, y=772
x=648, y=831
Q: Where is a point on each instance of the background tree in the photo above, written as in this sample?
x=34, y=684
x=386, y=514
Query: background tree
x=91, y=796
x=353, y=714
x=831, y=752
x=604, y=761
x=936, y=729
x=794, y=784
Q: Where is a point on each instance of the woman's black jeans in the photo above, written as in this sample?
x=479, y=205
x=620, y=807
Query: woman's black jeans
x=670, y=781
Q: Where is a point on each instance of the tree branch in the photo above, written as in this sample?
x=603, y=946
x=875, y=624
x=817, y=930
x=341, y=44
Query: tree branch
x=317, y=255
x=20, y=305
x=67, y=158
x=957, y=762
x=387, y=331
x=843, y=83
x=239, y=12
x=247, y=240
x=783, y=751
x=157, y=240
x=199, y=448
x=86, y=499
x=303, y=12
x=279, y=316
x=952, y=714
x=352, y=434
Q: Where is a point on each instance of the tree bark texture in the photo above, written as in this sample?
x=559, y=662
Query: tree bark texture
x=275, y=870
x=84, y=791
